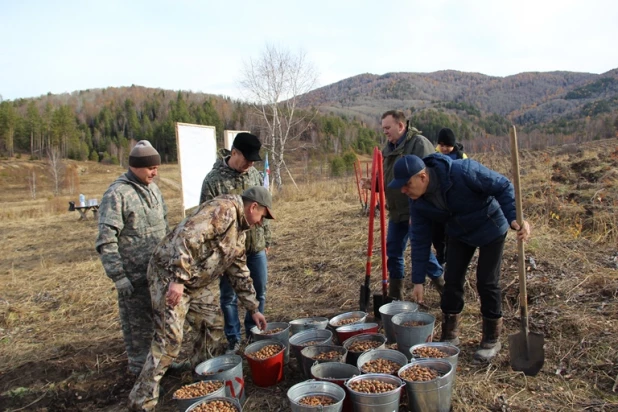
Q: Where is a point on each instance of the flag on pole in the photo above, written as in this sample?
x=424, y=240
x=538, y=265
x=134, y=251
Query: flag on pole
x=266, y=173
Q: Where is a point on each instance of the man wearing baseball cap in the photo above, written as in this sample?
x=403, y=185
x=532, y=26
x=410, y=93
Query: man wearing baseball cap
x=477, y=205
x=232, y=173
x=203, y=247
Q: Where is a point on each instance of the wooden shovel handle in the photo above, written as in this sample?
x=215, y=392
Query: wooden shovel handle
x=521, y=258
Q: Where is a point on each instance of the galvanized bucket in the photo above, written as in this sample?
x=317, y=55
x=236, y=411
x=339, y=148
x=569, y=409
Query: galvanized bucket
x=308, y=354
x=183, y=404
x=233, y=401
x=388, y=354
x=352, y=357
x=376, y=402
x=391, y=309
x=408, y=336
x=336, y=373
x=434, y=395
x=450, y=350
x=227, y=368
x=282, y=336
x=299, y=325
x=297, y=342
x=316, y=388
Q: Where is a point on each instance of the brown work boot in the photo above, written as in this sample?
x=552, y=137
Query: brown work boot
x=490, y=344
x=395, y=289
x=438, y=283
x=450, y=328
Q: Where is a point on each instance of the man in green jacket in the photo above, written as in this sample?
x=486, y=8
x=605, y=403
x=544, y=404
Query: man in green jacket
x=403, y=139
x=232, y=174
x=132, y=220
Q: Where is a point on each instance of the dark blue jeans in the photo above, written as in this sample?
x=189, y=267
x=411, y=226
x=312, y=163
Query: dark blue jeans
x=258, y=267
x=396, y=243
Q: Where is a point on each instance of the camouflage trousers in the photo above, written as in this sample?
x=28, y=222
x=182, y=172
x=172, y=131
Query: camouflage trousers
x=136, y=321
x=200, y=309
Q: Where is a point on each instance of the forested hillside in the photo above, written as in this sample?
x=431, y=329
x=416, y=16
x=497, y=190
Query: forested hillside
x=476, y=105
x=99, y=124
x=549, y=108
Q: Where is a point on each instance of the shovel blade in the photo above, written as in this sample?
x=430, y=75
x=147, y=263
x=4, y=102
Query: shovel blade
x=379, y=300
x=529, y=358
x=365, y=294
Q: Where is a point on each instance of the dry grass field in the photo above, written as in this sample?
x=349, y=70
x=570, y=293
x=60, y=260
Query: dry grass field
x=60, y=341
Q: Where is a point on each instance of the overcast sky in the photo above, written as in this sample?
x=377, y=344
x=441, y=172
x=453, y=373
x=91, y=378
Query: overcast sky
x=200, y=45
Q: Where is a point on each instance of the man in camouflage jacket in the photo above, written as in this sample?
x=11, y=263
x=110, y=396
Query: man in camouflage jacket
x=203, y=247
x=232, y=173
x=132, y=220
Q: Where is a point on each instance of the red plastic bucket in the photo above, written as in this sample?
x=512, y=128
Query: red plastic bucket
x=347, y=331
x=269, y=371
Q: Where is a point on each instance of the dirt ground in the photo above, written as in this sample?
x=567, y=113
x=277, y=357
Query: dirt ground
x=60, y=342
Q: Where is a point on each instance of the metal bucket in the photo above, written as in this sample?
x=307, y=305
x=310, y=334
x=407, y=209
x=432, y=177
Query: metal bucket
x=388, y=354
x=346, y=332
x=337, y=373
x=434, y=395
x=283, y=336
x=352, y=357
x=183, y=404
x=334, y=322
x=233, y=401
x=299, y=325
x=316, y=388
x=408, y=336
x=226, y=368
x=451, y=350
x=391, y=309
x=308, y=353
x=297, y=342
x=376, y=402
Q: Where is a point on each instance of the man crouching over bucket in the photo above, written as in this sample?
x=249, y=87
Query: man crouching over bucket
x=183, y=265
x=477, y=205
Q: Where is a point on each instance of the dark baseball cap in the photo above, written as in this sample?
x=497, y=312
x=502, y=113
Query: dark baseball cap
x=249, y=145
x=262, y=197
x=405, y=167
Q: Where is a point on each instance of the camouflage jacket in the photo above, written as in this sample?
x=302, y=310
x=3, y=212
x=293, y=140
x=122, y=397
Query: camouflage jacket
x=223, y=180
x=132, y=220
x=204, y=245
x=415, y=144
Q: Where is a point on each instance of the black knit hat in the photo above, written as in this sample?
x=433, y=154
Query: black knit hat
x=446, y=137
x=249, y=145
x=144, y=155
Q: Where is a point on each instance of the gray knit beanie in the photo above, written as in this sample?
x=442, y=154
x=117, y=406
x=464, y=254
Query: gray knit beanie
x=144, y=155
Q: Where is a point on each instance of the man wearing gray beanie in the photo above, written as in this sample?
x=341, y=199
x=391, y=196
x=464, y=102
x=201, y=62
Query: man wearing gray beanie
x=132, y=220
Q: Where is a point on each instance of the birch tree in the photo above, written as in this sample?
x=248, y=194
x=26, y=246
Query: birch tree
x=273, y=83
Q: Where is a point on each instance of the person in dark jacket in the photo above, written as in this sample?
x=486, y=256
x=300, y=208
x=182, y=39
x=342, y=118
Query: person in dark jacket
x=448, y=147
x=477, y=205
x=403, y=139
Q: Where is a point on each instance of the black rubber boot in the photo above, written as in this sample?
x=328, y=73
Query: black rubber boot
x=450, y=328
x=395, y=289
x=490, y=344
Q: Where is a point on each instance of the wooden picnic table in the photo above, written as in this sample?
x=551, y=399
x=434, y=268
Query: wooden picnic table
x=83, y=210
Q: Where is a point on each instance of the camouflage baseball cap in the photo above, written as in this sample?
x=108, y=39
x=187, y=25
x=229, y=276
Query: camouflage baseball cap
x=262, y=197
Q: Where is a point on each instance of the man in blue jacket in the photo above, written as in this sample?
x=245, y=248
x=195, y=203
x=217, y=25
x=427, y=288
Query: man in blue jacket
x=477, y=205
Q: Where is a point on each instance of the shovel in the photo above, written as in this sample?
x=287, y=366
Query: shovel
x=525, y=347
x=383, y=299
x=365, y=291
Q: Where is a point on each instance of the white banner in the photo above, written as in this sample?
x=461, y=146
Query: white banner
x=197, y=153
x=228, y=137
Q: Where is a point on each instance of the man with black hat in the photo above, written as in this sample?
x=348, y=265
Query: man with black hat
x=203, y=247
x=132, y=220
x=448, y=146
x=233, y=173
x=477, y=205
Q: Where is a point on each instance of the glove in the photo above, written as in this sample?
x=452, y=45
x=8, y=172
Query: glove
x=124, y=287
